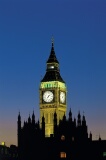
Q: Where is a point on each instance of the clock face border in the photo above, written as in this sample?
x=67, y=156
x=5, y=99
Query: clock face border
x=48, y=96
x=62, y=97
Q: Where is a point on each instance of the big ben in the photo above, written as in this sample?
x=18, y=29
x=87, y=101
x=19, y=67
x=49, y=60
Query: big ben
x=53, y=93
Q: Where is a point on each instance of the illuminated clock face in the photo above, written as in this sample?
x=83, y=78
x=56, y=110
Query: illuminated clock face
x=62, y=97
x=48, y=96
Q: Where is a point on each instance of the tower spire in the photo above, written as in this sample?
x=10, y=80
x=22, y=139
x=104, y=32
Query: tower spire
x=52, y=39
x=52, y=71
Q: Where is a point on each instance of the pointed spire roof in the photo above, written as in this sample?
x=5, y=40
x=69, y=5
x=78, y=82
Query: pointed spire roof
x=19, y=117
x=52, y=71
x=55, y=114
x=70, y=113
x=29, y=119
x=43, y=118
x=83, y=117
x=52, y=57
x=33, y=117
x=79, y=115
x=64, y=117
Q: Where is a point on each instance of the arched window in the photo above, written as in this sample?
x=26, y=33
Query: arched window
x=62, y=137
x=72, y=138
x=62, y=154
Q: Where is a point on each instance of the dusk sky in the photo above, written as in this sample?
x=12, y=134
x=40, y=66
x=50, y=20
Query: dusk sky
x=79, y=31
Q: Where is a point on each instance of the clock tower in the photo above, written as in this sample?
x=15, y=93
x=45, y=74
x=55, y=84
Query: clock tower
x=53, y=93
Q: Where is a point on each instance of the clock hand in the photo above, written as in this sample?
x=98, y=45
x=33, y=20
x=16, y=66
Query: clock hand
x=48, y=96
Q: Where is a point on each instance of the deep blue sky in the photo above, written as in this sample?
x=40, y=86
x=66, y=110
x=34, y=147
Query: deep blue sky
x=79, y=30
